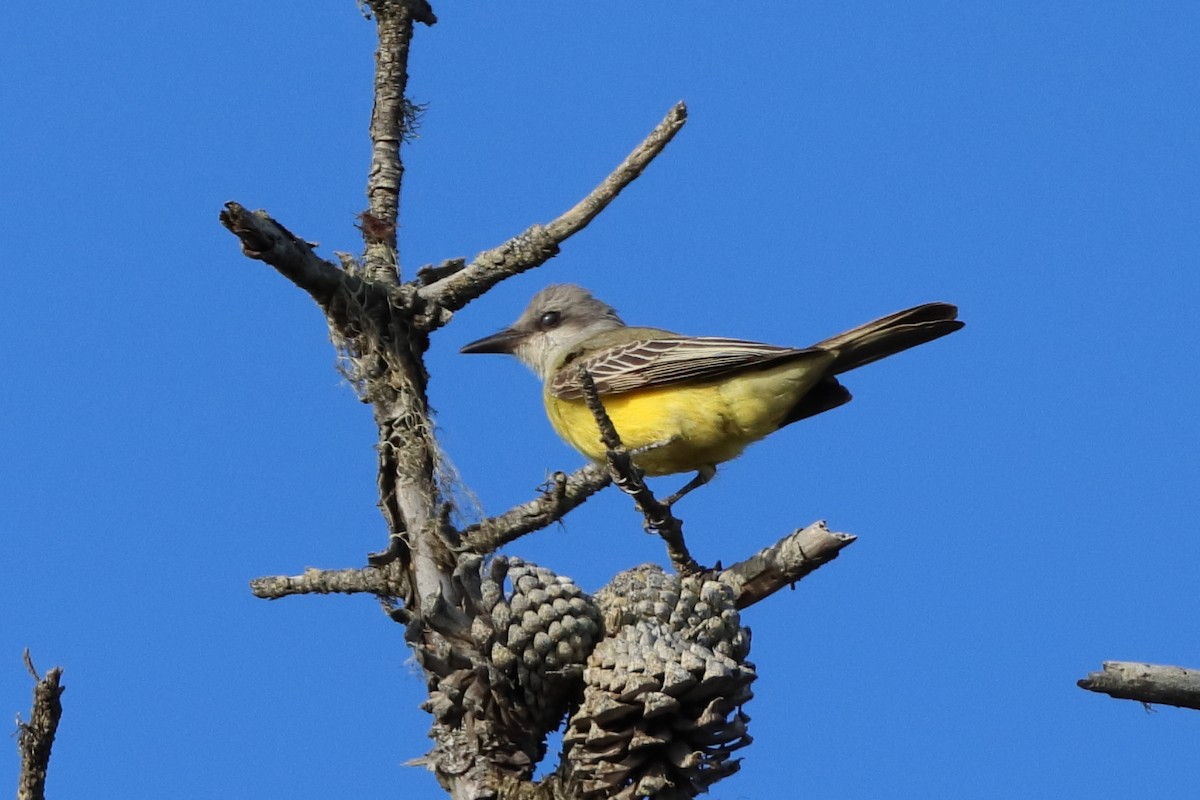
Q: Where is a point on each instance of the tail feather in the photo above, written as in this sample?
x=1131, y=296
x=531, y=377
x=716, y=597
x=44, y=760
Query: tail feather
x=828, y=393
x=892, y=334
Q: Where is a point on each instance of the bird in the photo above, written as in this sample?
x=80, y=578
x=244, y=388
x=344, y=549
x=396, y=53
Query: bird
x=682, y=403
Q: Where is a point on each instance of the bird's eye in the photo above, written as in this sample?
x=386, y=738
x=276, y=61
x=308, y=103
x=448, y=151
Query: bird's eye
x=549, y=320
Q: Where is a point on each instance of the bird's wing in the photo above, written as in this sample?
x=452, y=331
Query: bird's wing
x=657, y=362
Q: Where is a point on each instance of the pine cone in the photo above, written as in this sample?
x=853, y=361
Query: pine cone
x=661, y=710
x=527, y=655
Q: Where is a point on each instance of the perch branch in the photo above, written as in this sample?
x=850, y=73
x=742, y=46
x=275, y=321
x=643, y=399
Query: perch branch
x=36, y=737
x=562, y=494
x=783, y=563
x=539, y=244
x=628, y=478
x=391, y=123
x=370, y=580
x=1146, y=683
x=266, y=240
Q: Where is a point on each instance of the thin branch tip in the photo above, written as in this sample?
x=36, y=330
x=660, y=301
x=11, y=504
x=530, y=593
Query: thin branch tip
x=559, y=496
x=28, y=659
x=538, y=244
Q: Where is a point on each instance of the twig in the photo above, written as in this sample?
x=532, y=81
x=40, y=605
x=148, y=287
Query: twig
x=1146, y=683
x=589, y=207
x=266, y=240
x=783, y=563
x=629, y=480
x=539, y=244
x=36, y=737
x=431, y=273
x=370, y=580
x=390, y=121
x=564, y=493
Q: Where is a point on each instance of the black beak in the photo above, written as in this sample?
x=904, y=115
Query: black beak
x=504, y=341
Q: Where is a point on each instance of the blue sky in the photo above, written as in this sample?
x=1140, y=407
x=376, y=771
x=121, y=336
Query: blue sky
x=1024, y=491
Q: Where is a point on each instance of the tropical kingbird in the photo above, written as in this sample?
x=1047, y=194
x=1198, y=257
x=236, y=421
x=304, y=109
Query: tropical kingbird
x=682, y=403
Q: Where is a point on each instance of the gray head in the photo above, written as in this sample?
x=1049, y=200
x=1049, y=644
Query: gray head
x=557, y=319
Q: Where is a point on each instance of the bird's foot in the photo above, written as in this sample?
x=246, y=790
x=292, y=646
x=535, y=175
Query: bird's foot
x=703, y=476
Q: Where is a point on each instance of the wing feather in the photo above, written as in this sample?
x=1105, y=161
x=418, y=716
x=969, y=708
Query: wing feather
x=659, y=362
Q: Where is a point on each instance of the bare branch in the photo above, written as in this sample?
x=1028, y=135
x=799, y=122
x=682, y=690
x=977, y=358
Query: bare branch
x=370, y=580
x=628, y=478
x=563, y=494
x=431, y=274
x=35, y=738
x=266, y=240
x=392, y=364
x=539, y=244
x=589, y=207
x=1146, y=683
x=783, y=563
x=391, y=119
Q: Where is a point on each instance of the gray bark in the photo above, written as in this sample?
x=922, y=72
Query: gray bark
x=1146, y=683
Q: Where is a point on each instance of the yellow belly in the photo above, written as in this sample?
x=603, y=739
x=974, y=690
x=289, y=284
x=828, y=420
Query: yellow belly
x=697, y=425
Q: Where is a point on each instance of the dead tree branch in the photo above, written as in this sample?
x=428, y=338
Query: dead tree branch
x=35, y=738
x=382, y=350
x=266, y=240
x=783, y=563
x=538, y=244
x=563, y=494
x=392, y=119
x=1146, y=683
x=587, y=209
x=432, y=273
x=628, y=478
x=372, y=580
